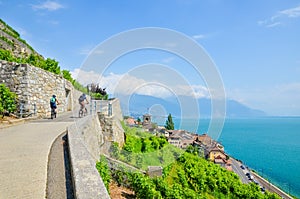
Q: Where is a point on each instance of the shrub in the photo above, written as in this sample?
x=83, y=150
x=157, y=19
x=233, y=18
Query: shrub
x=7, y=100
x=102, y=167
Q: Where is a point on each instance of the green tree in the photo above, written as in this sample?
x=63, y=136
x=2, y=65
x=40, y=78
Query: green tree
x=169, y=123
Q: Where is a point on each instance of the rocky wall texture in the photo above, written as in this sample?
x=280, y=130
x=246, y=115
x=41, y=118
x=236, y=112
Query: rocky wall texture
x=12, y=43
x=35, y=86
x=111, y=126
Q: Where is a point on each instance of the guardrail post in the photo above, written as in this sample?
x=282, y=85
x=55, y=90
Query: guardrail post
x=34, y=109
x=21, y=109
x=91, y=107
x=109, y=109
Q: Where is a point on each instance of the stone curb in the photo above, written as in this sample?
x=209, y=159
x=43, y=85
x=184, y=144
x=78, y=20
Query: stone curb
x=13, y=122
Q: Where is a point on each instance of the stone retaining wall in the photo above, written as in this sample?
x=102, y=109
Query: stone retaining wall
x=89, y=137
x=85, y=139
x=35, y=86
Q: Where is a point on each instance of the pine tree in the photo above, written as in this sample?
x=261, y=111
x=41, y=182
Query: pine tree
x=169, y=123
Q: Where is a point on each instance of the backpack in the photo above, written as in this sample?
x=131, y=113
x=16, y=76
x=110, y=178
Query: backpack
x=81, y=98
x=52, y=101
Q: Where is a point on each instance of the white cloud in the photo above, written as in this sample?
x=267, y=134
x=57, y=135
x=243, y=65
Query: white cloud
x=273, y=24
x=292, y=12
x=127, y=84
x=48, y=5
x=278, y=18
x=200, y=36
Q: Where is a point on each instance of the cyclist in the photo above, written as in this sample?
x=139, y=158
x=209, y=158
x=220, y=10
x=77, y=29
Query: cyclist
x=81, y=102
x=53, y=104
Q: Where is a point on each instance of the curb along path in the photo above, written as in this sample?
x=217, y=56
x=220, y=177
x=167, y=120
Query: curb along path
x=24, y=150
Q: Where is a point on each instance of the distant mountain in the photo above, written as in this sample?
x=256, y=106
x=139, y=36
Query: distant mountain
x=183, y=106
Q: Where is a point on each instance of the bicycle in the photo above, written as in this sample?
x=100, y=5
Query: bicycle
x=82, y=112
x=53, y=113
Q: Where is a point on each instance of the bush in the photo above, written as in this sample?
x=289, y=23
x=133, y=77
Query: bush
x=102, y=167
x=7, y=100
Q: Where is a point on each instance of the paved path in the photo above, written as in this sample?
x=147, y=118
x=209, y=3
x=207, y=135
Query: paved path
x=24, y=150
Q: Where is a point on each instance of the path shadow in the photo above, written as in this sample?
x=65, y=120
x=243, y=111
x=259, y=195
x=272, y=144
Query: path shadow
x=67, y=164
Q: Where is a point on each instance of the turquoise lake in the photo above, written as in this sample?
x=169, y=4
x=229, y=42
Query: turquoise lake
x=271, y=146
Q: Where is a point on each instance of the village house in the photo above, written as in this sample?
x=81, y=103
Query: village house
x=130, y=122
x=175, y=141
x=213, y=150
x=216, y=152
x=180, y=138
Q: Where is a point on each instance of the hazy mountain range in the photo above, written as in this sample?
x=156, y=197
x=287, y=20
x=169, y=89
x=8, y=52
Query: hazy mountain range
x=136, y=105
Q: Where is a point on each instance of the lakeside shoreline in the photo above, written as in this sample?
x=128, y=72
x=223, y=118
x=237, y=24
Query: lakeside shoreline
x=275, y=189
x=264, y=182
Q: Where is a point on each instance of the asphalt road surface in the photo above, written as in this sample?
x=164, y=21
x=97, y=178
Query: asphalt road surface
x=236, y=167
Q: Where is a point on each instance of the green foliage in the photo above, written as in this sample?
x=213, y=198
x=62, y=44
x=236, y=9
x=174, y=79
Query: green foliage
x=195, y=150
x=67, y=75
x=169, y=123
x=144, y=187
x=188, y=176
x=51, y=65
x=142, y=149
x=7, y=100
x=6, y=55
x=99, y=96
x=36, y=60
x=13, y=33
x=102, y=167
x=142, y=142
x=115, y=150
x=10, y=31
x=191, y=177
x=9, y=42
x=79, y=87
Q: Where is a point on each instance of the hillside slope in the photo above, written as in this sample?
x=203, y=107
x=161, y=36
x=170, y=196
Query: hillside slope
x=10, y=40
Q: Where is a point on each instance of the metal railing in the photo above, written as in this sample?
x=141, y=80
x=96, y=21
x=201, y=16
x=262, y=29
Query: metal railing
x=102, y=106
x=23, y=113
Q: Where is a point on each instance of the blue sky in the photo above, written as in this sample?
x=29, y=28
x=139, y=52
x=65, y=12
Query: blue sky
x=254, y=44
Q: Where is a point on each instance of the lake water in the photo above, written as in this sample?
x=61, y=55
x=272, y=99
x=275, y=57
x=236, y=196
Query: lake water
x=271, y=146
